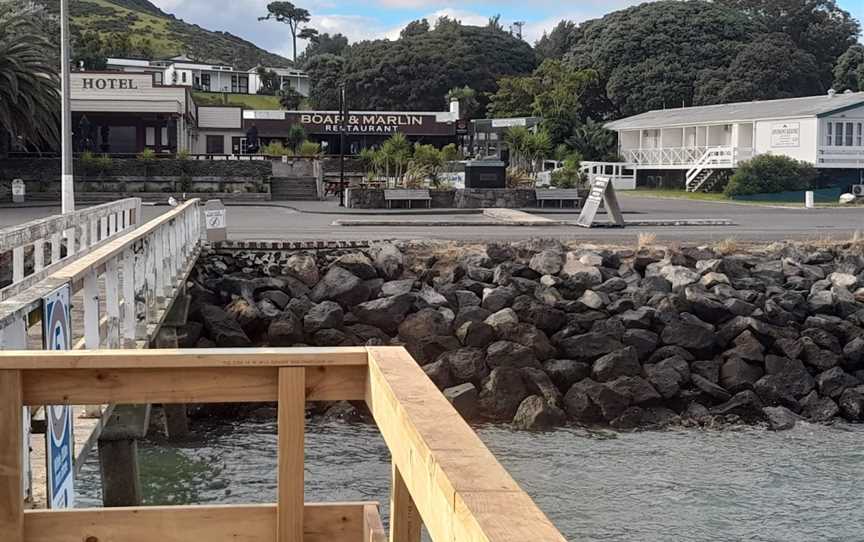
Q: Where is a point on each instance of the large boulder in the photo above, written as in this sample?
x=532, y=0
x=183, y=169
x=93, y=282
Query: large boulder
x=248, y=316
x=852, y=403
x=689, y=333
x=324, y=315
x=502, y=393
x=547, y=262
x=588, y=346
x=510, y=354
x=780, y=418
x=818, y=409
x=422, y=324
x=222, y=329
x=502, y=318
x=745, y=404
x=389, y=262
x=496, y=299
x=833, y=382
x=302, y=266
x=476, y=334
x=358, y=264
x=385, y=313
x=737, y=375
x=638, y=390
x=466, y=364
x=397, y=287
x=286, y=330
x=678, y=276
x=439, y=373
x=534, y=414
x=566, y=372
x=624, y=362
x=465, y=399
x=589, y=401
x=578, y=274
x=341, y=286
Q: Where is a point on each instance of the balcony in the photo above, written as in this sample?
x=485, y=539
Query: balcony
x=718, y=157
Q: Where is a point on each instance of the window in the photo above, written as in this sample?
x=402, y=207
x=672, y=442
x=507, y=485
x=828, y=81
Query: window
x=240, y=84
x=150, y=136
x=838, y=134
x=850, y=134
x=215, y=144
x=205, y=82
x=830, y=141
x=859, y=141
x=183, y=77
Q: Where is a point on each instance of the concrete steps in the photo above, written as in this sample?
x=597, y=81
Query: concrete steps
x=293, y=189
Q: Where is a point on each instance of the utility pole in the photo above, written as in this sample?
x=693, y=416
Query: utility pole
x=67, y=187
x=343, y=111
x=516, y=29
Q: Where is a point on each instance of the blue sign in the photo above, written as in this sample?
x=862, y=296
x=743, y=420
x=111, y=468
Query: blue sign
x=60, y=444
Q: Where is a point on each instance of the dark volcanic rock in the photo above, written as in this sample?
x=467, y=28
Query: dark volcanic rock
x=286, y=330
x=534, y=414
x=509, y=354
x=467, y=365
x=423, y=324
x=342, y=287
x=716, y=392
x=834, y=381
x=852, y=403
x=385, y=313
x=688, y=334
x=502, y=393
x=325, y=315
x=464, y=399
x=819, y=409
x=780, y=418
x=588, y=346
x=222, y=329
x=566, y=372
x=439, y=373
x=476, y=334
x=745, y=404
x=624, y=362
x=738, y=375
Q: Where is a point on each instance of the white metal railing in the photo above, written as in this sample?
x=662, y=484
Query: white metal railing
x=622, y=175
x=133, y=278
x=685, y=156
x=79, y=232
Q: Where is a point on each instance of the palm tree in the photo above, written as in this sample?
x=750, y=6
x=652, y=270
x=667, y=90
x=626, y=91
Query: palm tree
x=29, y=85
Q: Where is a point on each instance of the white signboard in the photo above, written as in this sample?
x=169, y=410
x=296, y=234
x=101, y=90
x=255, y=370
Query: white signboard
x=215, y=219
x=508, y=123
x=785, y=134
x=60, y=445
x=18, y=187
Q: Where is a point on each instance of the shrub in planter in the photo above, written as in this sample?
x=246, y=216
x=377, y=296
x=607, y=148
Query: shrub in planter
x=569, y=176
x=309, y=148
x=768, y=174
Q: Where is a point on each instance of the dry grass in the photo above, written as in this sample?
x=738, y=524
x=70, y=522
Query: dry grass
x=727, y=246
x=645, y=240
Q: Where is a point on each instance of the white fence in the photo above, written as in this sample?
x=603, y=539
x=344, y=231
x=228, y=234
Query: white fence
x=127, y=284
x=684, y=156
x=79, y=232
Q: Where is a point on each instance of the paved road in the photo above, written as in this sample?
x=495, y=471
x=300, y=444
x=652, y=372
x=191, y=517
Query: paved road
x=753, y=223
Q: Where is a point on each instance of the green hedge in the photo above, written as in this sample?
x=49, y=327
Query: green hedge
x=768, y=174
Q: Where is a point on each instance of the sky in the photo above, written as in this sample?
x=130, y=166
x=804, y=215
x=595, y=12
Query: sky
x=372, y=19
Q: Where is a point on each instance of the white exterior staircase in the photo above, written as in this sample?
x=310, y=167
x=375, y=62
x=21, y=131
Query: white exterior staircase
x=704, y=175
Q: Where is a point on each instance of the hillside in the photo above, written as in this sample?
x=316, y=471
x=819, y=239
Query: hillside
x=166, y=35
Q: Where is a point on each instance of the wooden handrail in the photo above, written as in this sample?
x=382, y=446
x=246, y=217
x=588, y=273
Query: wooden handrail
x=444, y=476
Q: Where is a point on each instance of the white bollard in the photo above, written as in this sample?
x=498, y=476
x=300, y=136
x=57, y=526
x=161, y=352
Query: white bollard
x=809, y=200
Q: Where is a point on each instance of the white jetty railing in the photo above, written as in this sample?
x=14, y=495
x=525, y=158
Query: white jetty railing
x=128, y=284
x=79, y=232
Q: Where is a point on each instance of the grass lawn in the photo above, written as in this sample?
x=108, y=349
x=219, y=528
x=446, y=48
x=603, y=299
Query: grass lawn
x=713, y=196
x=248, y=101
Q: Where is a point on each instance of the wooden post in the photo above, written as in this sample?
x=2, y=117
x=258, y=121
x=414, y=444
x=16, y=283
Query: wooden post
x=292, y=424
x=11, y=459
x=118, y=462
x=39, y=255
x=405, y=520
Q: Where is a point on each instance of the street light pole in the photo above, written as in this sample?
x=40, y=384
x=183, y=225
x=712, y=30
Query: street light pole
x=343, y=127
x=67, y=189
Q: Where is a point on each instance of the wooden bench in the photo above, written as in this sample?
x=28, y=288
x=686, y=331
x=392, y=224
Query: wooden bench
x=560, y=195
x=409, y=195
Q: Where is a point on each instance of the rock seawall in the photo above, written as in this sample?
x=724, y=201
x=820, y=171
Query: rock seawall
x=543, y=334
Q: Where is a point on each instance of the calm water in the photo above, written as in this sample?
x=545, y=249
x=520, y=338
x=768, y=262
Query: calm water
x=802, y=485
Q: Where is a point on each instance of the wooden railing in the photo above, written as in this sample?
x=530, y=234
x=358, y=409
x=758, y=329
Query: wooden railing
x=80, y=232
x=443, y=476
x=133, y=277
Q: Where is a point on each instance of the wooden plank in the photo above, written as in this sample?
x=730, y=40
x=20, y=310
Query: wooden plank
x=405, y=522
x=11, y=458
x=179, y=358
x=373, y=529
x=459, y=488
x=290, y=473
x=184, y=385
x=337, y=522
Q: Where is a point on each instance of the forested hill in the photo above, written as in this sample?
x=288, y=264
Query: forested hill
x=140, y=29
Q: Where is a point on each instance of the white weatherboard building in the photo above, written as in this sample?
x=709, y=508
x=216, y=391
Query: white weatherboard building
x=702, y=145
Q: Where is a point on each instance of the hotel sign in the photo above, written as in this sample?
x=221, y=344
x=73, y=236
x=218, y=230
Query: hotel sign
x=786, y=134
x=371, y=123
x=108, y=83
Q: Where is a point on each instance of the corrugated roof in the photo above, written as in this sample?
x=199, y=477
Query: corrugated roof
x=811, y=106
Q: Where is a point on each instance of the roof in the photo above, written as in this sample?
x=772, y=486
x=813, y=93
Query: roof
x=811, y=106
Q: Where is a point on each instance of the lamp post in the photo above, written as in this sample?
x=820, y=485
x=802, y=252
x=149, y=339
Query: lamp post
x=343, y=127
x=67, y=188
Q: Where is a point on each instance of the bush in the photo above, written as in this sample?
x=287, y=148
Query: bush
x=450, y=153
x=276, y=148
x=569, y=176
x=309, y=148
x=768, y=174
x=147, y=155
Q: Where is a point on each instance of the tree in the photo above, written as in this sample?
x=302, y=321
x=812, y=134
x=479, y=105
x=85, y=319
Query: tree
x=849, y=71
x=29, y=85
x=326, y=74
x=290, y=99
x=90, y=52
x=771, y=67
x=416, y=71
x=324, y=44
x=650, y=56
x=593, y=142
x=557, y=43
x=269, y=81
x=514, y=98
x=119, y=45
x=295, y=138
x=415, y=28
x=294, y=17
x=467, y=98
x=818, y=27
